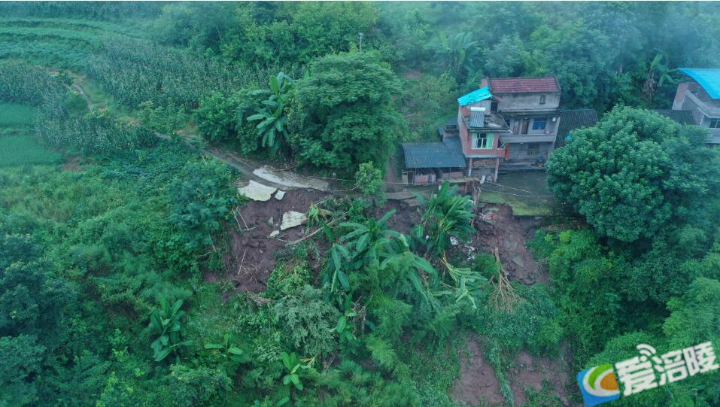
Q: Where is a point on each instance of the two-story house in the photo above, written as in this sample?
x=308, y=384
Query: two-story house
x=508, y=122
x=701, y=97
x=531, y=108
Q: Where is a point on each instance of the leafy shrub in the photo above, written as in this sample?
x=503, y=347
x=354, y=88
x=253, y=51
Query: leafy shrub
x=202, y=197
x=369, y=180
x=306, y=320
x=288, y=279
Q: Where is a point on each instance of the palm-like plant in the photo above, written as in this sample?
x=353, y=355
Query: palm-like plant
x=272, y=116
x=446, y=214
x=166, y=322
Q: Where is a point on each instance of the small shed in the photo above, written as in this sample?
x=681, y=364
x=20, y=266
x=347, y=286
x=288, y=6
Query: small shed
x=428, y=163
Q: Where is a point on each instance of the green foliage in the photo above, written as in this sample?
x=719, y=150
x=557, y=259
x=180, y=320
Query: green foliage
x=166, y=324
x=346, y=115
x=23, y=150
x=201, y=199
x=296, y=33
x=625, y=195
x=216, y=117
x=294, y=370
x=369, y=180
x=21, y=362
x=446, y=215
x=272, y=130
x=288, y=279
x=306, y=320
x=92, y=134
x=26, y=84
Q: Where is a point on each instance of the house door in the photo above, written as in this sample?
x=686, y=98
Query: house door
x=525, y=124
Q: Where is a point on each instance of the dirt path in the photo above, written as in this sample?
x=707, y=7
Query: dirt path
x=84, y=95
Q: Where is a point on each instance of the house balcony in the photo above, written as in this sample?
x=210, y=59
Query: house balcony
x=703, y=104
x=528, y=138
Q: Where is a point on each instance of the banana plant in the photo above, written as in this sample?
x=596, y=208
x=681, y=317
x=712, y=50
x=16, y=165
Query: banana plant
x=271, y=116
x=294, y=368
x=227, y=350
x=446, y=214
x=335, y=271
x=344, y=326
x=467, y=284
x=366, y=240
x=166, y=322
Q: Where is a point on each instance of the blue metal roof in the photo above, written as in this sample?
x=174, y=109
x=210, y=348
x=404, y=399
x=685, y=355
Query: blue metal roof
x=709, y=79
x=475, y=96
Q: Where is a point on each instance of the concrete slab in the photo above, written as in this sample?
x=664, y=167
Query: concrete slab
x=292, y=219
x=257, y=191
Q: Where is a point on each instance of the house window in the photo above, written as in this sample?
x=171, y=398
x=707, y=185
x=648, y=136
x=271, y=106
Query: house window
x=539, y=124
x=483, y=140
x=542, y=99
x=533, y=149
x=715, y=123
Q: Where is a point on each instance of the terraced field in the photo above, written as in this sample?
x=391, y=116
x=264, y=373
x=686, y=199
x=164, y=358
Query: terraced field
x=16, y=145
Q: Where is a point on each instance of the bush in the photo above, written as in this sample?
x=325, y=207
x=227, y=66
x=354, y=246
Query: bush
x=369, y=180
x=306, y=320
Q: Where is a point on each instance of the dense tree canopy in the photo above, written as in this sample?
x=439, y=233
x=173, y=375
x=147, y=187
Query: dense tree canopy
x=634, y=173
x=346, y=115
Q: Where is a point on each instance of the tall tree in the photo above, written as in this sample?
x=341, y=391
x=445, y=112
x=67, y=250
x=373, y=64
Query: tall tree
x=347, y=116
x=634, y=172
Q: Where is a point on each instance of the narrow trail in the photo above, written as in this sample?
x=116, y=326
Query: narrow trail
x=84, y=95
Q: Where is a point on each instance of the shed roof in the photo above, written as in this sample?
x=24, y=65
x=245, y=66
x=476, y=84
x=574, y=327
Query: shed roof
x=575, y=119
x=475, y=96
x=680, y=116
x=524, y=85
x=446, y=154
x=709, y=79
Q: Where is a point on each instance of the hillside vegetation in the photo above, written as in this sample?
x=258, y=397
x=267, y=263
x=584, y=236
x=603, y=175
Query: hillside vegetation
x=117, y=235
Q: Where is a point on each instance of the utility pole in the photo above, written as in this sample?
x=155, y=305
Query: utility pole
x=360, y=37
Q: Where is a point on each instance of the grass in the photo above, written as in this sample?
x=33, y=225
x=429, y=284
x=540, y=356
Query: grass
x=16, y=115
x=525, y=192
x=519, y=205
x=23, y=150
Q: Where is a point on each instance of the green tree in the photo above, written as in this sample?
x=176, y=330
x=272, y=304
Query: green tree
x=346, y=111
x=272, y=116
x=369, y=180
x=446, y=215
x=634, y=172
x=201, y=199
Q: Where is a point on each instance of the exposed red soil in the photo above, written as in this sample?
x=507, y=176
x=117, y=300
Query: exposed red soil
x=252, y=255
x=534, y=372
x=477, y=380
x=497, y=227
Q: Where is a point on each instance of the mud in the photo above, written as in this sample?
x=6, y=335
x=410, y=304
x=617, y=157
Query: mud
x=497, y=227
x=477, y=380
x=252, y=251
x=534, y=372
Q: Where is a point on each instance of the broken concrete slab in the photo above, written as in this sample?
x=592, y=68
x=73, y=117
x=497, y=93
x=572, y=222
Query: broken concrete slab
x=280, y=195
x=257, y=191
x=274, y=233
x=519, y=261
x=399, y=196
x=290, y=179
x=292, y=219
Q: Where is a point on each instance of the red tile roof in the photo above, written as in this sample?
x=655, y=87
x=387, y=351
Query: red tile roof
x=523, y=85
